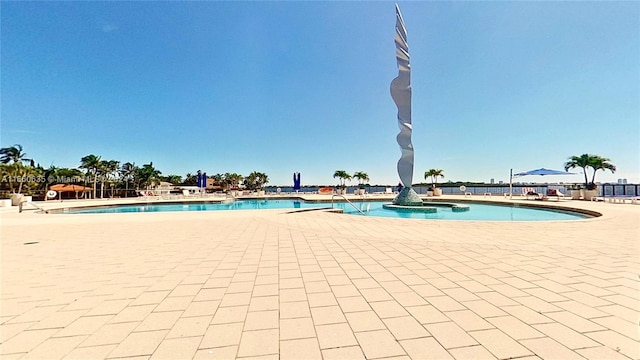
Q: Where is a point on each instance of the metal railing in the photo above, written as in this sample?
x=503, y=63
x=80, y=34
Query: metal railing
x=22, y=203
x=347, y=200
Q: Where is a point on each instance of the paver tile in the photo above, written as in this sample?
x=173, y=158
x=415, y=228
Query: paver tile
x=601, y=352
x=190, y=327
x=526, y=315
x=353, y=303
x=110, y=334
x=174, y=303
x=409, y=298
x=445, y=303
x=227, y=352
x=54, y=348
x=617, y=341
x=58, y=319
x=264, y=303
x=345, y=291
x=626, y=328
x=379, y=344
x=222, y=335
x=335, y=335
x=93, y=352
x=450, y=335
x=133, y=313
x=427, y=314
x=230, y=314
x=261, y=320
x=405, y=327
x=327, y=315
x=468, y=320
x=296, y=309
x=460, y=294
x=288, y=295
x=364, y=321
x=343, y=353
x=321, y=299
x=214, y=294
x=297, y=328
x=575, y=322
x=390, y=308
x=185, y=290
x=499, y=344
x=515, y=327
x=317, y=287
x=139, y=343
x=159, y=321
x=177, y=348
x=425, y=348
x=86, y=325
x=109, y=307
x=477, y=352
x=201, y=308
x=239, y=299
x=265, y=290
x=300, y=349
x=259, y=342
x=547, y=348
x=565, y=336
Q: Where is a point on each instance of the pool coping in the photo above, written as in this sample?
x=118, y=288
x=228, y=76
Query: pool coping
x=537, y=205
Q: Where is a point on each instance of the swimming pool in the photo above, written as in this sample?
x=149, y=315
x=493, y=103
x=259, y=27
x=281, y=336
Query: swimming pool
x=373, y=208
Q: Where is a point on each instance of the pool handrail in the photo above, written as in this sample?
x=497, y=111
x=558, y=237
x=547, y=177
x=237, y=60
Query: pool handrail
x=347, y=200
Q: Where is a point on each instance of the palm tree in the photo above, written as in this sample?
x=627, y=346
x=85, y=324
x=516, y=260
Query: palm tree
x=343, y=175
x=190, y=179
x=92, y=164
x=126, y=173
x=217, y=179
x=109, y=172
x=601, y=163
x=14, y=157
x=146, y=176
x=585, y=161
x=434, y=174
x=13, y=154
x=256, y=180
x=362, y=177
x=173, y=179
x=232, y=180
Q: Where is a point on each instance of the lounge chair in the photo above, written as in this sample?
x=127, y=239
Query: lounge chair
x=620, y=199
x=530, y=192
x=555, y=193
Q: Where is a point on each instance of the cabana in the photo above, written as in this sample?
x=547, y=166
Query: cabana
x=60, y=188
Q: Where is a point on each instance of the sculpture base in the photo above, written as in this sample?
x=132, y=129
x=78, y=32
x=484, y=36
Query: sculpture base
x=407, y=197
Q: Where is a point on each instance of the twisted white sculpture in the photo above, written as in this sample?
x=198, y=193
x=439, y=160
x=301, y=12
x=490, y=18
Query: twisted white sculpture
x=401, y=94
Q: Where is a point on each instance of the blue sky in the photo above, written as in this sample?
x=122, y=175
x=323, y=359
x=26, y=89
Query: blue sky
x=279, y=87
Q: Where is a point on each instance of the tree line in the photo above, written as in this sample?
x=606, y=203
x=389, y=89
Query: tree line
x=21, y=174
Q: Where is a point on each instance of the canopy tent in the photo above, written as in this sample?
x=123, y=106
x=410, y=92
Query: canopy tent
x=543, y=172
x=60, y=188
x=537, y=172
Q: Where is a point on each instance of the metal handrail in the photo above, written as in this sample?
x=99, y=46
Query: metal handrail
x=347, y=200
x=21, y=204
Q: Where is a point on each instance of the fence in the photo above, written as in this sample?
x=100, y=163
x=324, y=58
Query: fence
x=603, y=189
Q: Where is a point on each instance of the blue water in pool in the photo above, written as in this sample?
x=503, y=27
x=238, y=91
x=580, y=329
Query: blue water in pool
x=374, y=208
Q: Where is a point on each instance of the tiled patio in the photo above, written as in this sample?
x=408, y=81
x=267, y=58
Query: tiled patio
x=314, y=285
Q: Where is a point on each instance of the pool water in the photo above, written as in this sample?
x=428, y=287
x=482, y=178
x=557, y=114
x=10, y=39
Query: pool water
x=373, y=208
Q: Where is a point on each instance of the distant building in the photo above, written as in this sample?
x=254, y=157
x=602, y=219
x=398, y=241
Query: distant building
x=500, y=182
x=622, y=181
x=492, y=181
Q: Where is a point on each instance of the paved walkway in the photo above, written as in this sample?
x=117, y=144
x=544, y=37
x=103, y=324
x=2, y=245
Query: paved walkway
x=270, y=284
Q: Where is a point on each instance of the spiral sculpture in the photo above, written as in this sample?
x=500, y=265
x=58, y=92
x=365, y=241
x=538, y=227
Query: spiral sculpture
x=401, y=95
